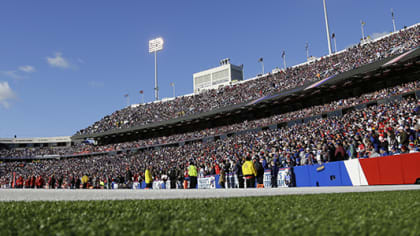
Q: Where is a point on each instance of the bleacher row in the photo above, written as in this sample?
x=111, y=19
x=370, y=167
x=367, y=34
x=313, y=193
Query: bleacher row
x=300, y=116
x=324, y=67
x=378, y=130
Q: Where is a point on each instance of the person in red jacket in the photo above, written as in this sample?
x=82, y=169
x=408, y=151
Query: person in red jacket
x=39, y=182
x=19, y=182
x=33, y=181
x=28, y=182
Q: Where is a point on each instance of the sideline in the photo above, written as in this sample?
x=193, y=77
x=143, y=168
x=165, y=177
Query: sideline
x=128, y=194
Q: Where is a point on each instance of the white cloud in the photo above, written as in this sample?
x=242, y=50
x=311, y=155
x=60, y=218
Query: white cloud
x=378, y=35
x=58, y=61
x=6, y=94
x=27, y=69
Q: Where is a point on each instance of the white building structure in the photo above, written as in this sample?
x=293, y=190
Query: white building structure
x=217, y=77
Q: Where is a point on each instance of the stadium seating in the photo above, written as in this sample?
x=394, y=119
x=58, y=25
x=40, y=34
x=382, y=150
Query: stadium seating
x=325, y=67
x=381, y=127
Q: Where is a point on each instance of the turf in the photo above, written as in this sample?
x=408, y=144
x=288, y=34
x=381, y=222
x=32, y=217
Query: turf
x=375, y=213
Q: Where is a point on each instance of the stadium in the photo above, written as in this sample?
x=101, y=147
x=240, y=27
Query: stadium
x=335, y=139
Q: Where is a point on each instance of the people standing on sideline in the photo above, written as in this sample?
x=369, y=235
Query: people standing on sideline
x=192, y=173
x=260, y=170
x=148, y=177
x=248, y=170
x=274, y=173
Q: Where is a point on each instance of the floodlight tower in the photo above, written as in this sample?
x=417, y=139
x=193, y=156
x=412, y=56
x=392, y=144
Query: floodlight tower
x=156, y=45
x=327, y=27
x=393, y=19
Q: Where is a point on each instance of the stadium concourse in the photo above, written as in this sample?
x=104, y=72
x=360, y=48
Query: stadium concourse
x=375, y=125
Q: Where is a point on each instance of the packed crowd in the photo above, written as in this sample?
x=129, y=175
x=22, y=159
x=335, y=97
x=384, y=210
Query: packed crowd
x=246, y=125
x=379, y=130
x=292, y=77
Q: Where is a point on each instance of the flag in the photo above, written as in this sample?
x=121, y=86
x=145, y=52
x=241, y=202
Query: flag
x=283, y=54
x=363, y=23
x=126, y=95
x=141, y=91
x=392, y=13
x=261, y=59
x=333, y=35
x=172, y=84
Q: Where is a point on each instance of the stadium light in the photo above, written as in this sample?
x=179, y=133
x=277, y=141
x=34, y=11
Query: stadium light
x=156, y=45
x=328, y=27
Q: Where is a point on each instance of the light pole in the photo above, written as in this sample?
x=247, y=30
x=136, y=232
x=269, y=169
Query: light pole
x=362, y=23
x=327, y=26
x=283, y=55
x=173, y=88
x=156, y=45
x=393, y=19
x=262, y=64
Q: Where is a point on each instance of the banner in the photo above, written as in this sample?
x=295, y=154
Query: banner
x=207, y=182
x=160, y=184
x=283, y=178
x=232, y=181
x=136, y=185
x=267, y=179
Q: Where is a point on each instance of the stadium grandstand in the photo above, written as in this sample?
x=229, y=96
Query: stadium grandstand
x=359, y=103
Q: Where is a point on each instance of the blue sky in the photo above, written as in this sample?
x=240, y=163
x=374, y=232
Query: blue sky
x=66, y=64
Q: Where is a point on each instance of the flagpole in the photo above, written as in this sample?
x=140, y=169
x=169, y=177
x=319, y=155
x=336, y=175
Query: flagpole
x=173, y=88
x=262, y=64
x=327, y=27
x=307, y=50
x=335, y=45
x=127, y=96
x=363, y=32
x=393, y=19
x=284, y=60
x=142, y=96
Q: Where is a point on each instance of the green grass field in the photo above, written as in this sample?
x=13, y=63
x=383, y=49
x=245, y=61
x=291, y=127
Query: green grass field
x=376, y=213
